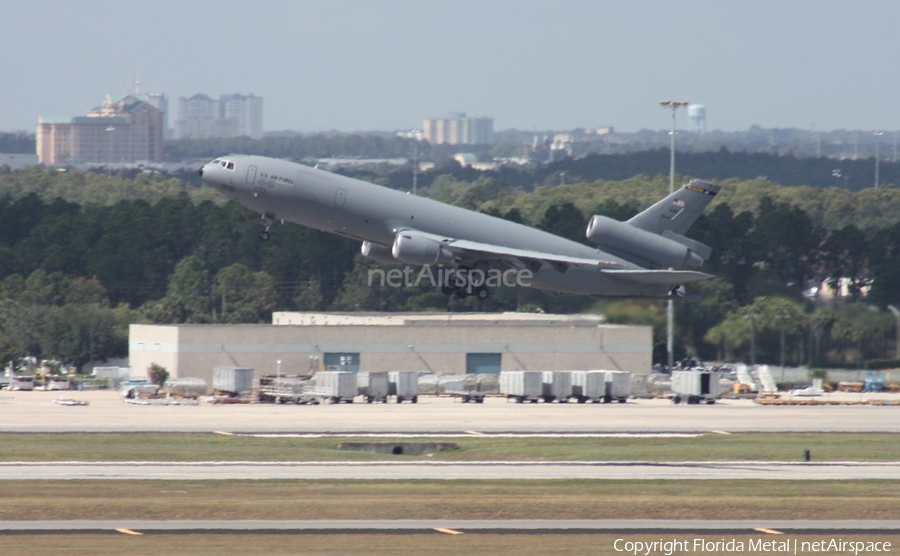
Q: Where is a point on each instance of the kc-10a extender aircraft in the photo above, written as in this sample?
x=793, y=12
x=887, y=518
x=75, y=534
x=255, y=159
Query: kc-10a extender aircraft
x=647, y=256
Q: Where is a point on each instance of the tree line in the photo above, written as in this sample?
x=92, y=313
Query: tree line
x=154, y=249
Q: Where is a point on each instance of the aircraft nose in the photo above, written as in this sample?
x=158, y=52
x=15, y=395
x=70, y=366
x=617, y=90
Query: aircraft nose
x=200, y=172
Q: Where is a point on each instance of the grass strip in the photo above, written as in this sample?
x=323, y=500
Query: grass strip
x=437, y=544
x=482, y=499
x=211, y=446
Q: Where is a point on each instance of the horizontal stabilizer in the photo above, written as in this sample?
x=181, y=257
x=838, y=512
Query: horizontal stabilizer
x=658, y=276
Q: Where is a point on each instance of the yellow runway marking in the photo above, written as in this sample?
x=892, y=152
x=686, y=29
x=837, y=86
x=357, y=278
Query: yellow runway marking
x=128, y=531
x=448, y=531
x=224, y=433
x=474, y=432
x=769, y=531
x=721, y=432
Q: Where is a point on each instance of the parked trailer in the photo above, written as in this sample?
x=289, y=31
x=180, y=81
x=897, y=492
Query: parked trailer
x=557, y=386
x=467, y=388
x=404, y=385
x=522, y=386
x=589, y=386
x=695, y=386
x=235, y=381
x=337, y=386
x=290, y=389
x=618, y=386
x=373, y=387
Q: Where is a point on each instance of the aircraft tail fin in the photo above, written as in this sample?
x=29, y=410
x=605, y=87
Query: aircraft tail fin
x=677, y=213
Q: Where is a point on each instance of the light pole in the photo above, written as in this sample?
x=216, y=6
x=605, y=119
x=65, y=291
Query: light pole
x=416, y=136
x=672, y=105
x=894, y=311
x=877, y=135
x=782, y=318
x=752, y=318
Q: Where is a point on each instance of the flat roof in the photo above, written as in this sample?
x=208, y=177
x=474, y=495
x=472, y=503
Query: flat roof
x=287, y=318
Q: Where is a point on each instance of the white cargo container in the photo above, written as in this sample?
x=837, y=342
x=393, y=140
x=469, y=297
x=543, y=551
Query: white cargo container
x=589, y=385
x=373, y=387
x=618, y=386
x=22, y=383
x=521, y=385
x=695, y=386
x=404, y=385
x=557, y=386
x=338, y=386
x=237, y=381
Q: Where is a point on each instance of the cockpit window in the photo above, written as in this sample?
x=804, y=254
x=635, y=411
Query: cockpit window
x=216, y=161
x=230, y=166
x=222, y=163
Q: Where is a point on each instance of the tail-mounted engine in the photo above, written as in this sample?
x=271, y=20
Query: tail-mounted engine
x=669, y=250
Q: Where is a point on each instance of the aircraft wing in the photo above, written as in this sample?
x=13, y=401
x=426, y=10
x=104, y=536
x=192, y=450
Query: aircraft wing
x=523, y=258
x=658, y=276
x=465, y=249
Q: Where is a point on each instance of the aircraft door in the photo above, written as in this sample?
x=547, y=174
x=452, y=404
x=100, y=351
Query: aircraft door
x=251, y=175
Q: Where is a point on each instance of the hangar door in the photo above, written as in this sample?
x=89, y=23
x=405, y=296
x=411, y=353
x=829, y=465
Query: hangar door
x=483, y=363
x=342, y=362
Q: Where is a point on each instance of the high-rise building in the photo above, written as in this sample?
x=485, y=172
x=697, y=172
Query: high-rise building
x=458, y=130
x=201, y=117
x=246, y=110
x=160, y=101
x=122, y=129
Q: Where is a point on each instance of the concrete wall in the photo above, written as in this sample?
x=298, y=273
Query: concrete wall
x=193, y=350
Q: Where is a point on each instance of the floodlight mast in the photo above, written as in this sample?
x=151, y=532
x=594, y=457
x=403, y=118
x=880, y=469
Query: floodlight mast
x=672, y=105
x=877, y=135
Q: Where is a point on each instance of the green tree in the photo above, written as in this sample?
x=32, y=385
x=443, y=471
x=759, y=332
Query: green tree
x=157, y=374
x=758, y=326
x=246, y=296
x=188, y=296
x=565, y=221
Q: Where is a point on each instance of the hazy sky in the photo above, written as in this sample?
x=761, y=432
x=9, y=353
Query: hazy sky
x=385, y=64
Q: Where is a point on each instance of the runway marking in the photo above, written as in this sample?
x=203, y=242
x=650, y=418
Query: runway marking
x=128, y=531
x=448, y=531
x=721, y=432
x=769, y=531
x=469, y=434
x=224, y=433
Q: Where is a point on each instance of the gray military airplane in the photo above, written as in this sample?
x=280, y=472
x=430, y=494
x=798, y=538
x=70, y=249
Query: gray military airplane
x=647, y=256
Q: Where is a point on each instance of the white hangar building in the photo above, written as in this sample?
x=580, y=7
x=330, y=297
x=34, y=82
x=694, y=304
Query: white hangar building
x=456, y=343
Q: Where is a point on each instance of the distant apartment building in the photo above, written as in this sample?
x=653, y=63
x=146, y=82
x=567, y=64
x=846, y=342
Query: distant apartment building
x=202, y=117
x=458, y=130
x=123, y=129
x=161, y=102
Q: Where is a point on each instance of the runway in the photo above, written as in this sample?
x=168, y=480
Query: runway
x=387, y=471
x=407, y=526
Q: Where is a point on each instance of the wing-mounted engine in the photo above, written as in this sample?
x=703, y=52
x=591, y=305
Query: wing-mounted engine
x=378, y=252
x=669, y=250
x=414, y=248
